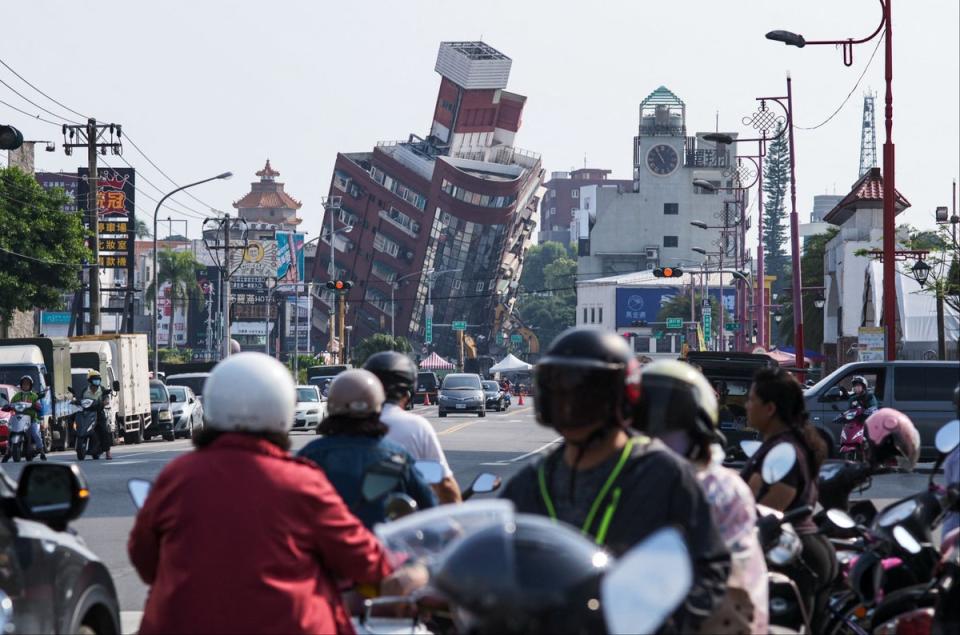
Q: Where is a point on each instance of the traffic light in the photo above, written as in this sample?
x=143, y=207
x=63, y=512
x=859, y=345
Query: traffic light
x=10, y=138
x=668, y=272
x=339, y=285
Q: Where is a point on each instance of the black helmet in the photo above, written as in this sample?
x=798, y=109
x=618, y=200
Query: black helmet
x=587, y=375
x=396, y=372
x=675, y=396
x=530, y=576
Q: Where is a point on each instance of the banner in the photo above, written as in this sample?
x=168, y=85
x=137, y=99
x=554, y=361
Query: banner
x=644, y=303
x=115, y=214
x=177, y=325
x=871, y=342
x=289, y=257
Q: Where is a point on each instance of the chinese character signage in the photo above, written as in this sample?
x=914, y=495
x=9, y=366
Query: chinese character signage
x=115, y=214
x=644, y=303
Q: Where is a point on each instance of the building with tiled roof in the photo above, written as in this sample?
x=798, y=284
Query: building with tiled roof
x=866, y=193
x=268, y=202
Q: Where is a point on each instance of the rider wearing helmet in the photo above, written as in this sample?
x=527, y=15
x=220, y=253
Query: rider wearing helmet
x=353, y=446
x=614, y=486
x=239, y=536
x=893, y=439
x=98, y=394
x=679, y=406
x=862, y=396
x=27, y=394
x=413, y=433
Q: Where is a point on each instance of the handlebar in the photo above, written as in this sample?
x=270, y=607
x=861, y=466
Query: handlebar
x=799, y=512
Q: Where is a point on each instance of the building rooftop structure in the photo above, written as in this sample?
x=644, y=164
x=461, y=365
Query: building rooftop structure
x=867, y=191
x=267, y=200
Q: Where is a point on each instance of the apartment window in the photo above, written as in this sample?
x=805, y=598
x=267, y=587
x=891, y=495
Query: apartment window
x=593, y=315
x=552, y=194
x=575, y=193
x=382, y=271
x=456, y=284
x=600, y=315
x=699, y=190
x=480, y=286
x=670, y=241
x=671, y=209
x=584, y=315
x=384, y=244
x=553, y=211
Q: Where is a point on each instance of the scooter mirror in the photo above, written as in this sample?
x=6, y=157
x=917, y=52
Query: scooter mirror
x=377, y=484
x=778, y=463
x=750, y=447
x=399, y=505
x=647, y=584
x=948, y=437
x=138, y=489
x=485, y=483
x=906, y=540
x=430, y=471
x=841, y=519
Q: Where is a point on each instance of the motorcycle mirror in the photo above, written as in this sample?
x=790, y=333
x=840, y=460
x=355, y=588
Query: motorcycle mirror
x=647, y=584
x=485, y=483
x=399, y=505
x=378, y=483
x=6, y=612
x=70, y=390
x=841, y=519
x=116, y=385
x=778, y=463
x=138, y=489
x=430, y=471
x=906, y=540
x=750, y=447
x=948, y=437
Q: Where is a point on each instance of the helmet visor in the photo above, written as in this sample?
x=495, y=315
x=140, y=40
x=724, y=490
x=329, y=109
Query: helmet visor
x=574, y=394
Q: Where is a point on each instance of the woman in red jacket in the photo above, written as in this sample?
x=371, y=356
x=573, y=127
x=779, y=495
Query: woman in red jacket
x=240, y=537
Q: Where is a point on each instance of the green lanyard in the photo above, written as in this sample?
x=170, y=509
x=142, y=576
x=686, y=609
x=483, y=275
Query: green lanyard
x=615, y=499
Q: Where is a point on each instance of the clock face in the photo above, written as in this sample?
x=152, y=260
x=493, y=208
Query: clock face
x=662, y=159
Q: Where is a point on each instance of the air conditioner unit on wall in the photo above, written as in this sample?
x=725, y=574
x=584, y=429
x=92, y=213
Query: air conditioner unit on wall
x=652, y=252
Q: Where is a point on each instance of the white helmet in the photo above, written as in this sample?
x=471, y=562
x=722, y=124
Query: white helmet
x=249, y=392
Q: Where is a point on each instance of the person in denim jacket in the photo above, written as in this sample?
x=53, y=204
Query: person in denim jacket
x=352, y=444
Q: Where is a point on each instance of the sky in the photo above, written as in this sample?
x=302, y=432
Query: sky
x=205, y=86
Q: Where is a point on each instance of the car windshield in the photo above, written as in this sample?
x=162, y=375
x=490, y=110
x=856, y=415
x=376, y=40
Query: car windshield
x=492, y=386
x=179, y=391
x=307, y=394
x=12, y=374
x=195, y=383
x=461, y=382
x=157, y=394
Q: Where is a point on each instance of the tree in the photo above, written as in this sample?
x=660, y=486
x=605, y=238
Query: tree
x=536, y=261
x=141, y=229
x=179, y=268
x=811, y=271
x=776, y=180
x=944, y=261
x=679, y=305
x=548, y=301
x=375, y=344
x=41, y=247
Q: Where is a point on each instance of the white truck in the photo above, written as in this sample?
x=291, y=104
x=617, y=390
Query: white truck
x=123, y=358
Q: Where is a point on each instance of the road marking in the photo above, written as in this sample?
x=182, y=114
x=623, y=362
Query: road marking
x=130, y=621
x=459, y=426
x=523, y=457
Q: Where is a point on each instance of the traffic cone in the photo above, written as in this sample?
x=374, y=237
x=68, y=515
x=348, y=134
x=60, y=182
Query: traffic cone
x=520, y=403
x=426, y=399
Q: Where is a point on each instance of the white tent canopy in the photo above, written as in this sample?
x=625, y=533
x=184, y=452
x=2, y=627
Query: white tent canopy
x=510, y=364
x=435, y=362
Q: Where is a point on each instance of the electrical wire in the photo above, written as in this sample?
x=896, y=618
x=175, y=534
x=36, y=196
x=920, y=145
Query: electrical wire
x=52, y=263
x=25, y=81
x=852, y=90
x=32, y=116
x=33, y=103
x=150, y=161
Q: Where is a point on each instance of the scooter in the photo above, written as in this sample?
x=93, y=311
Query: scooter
x=21, y=445
x=87, y=441
x=853, y=436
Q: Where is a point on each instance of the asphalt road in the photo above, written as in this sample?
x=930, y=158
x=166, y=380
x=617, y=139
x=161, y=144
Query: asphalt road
x=500, y=443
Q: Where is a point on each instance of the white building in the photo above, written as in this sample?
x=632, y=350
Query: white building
x=622, y=231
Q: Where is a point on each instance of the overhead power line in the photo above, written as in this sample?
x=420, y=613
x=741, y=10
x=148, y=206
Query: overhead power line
x=27, y=82
x=33, y=103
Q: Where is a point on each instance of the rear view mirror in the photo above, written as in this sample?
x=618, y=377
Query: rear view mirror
x=380, y=479
x=750, y=447
x=399, y=505
x=138, y=489
x=485, y=483
x=52, y=493
x=835, y=394
x=647, y=584
x=69, y=390
x=116, y=385
x=430, y=471
x=841, y=519
x=778, y=463
x=906, y=540
x=948, y=437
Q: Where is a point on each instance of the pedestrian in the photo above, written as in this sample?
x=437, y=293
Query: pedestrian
x=679, y=407
x=240, y=537
x=775, y=408
x=353, y=445
x=410, y=431
x=616, y=487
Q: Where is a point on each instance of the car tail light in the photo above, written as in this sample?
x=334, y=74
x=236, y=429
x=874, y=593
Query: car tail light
x=917, y=622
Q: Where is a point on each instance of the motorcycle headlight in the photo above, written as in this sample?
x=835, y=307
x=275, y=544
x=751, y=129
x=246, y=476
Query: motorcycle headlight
x=787, y=549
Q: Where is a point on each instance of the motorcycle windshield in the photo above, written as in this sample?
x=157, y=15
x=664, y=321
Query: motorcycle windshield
x=427, y=534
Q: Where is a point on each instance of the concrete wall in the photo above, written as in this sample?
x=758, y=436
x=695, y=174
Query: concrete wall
x=22, y=324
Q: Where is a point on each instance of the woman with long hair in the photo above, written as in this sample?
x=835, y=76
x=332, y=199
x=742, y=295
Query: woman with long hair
x=775, y=408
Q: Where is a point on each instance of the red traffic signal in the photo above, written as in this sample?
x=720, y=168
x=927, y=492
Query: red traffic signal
x=668, y=272
x=339, y=285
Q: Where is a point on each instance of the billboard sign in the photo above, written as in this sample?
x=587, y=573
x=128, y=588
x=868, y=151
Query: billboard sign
x=871, y=342
x=644, y=303
x=115, y=214
x=289, y=255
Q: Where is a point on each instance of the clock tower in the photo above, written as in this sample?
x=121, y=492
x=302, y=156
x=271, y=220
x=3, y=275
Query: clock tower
x=659, y=145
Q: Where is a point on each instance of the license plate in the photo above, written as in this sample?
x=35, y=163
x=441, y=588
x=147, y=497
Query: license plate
x=461, y=406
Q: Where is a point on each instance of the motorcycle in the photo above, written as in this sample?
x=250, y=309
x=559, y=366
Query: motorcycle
x=853, y=435
x=87, y=442
x=20, y=441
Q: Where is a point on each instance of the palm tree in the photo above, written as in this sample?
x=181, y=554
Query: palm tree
x=141, y=229
x=179, y=268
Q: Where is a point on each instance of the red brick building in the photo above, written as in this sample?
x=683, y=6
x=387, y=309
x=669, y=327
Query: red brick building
x=460, y=201
x=562, y=198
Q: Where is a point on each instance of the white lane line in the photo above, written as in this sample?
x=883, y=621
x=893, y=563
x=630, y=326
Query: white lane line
x=523, y=457
x=130, y=621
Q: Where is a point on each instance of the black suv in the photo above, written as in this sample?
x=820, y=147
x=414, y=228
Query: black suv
x=161, y=417
x=50, y=582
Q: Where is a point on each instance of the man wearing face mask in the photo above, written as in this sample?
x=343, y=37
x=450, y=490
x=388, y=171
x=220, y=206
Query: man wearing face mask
x=97, y=393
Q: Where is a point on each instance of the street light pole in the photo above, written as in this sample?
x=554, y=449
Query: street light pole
x=156, y=276
x=799, y=355
x=393, y=286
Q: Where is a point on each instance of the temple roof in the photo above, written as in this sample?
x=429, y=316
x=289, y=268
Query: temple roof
x=267, y=193
x=867, y=189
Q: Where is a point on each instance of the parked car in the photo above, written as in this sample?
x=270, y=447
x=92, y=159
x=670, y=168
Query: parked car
x=50, y=581
x=194, y=381
x=495, y=397
x=461, y=392
x=186, y=410
x=161, y=416
x=427, y=384
x=311, y=408
x=920, y=389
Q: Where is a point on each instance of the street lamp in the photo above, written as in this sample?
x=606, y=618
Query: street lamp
x=920, y=271
x=156, y=274
x=393, y=312
x=718, y=137
x=270, y=282
x=705, y=185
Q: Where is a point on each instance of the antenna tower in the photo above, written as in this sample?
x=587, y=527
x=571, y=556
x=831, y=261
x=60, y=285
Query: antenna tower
x=868, y=135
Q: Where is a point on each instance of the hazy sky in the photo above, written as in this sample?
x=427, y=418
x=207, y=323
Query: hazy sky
x=206, y=86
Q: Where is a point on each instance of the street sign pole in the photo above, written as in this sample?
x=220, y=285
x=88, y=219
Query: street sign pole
x=428, y=326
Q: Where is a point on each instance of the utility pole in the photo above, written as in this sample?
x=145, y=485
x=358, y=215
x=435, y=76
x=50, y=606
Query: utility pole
x=342, y=296
x=224, y=228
